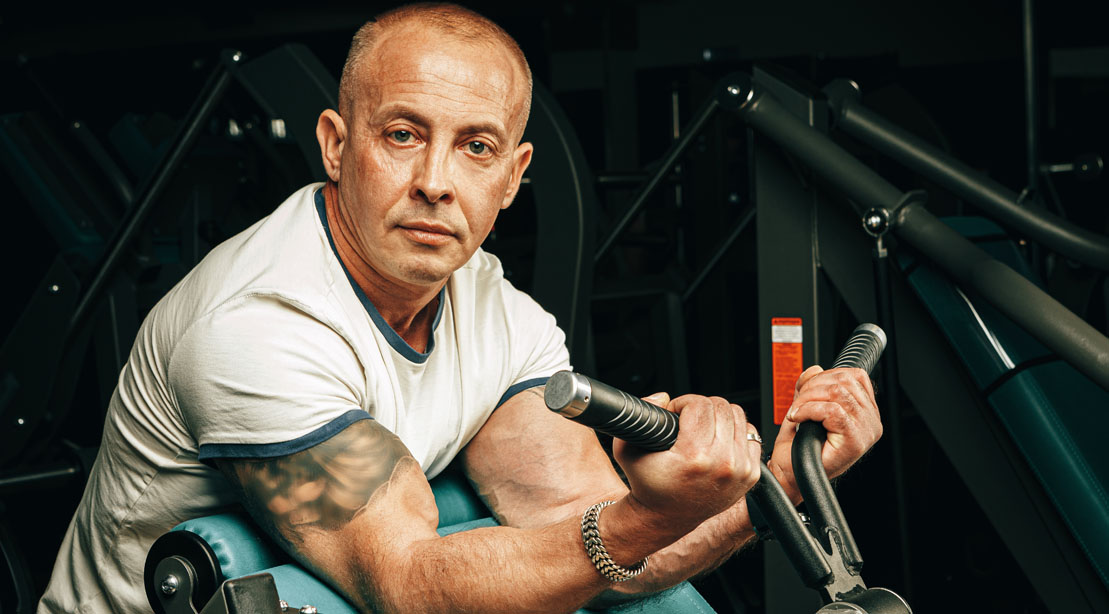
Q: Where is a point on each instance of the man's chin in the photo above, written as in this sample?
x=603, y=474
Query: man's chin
x=427, y=272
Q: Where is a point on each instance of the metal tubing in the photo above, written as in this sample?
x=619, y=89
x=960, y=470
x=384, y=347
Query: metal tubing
x=1052, y=324
x=820, y=500
x=723, y=249
x=152, y=189
x=676, y=150
x=891, y=402
x=1031, y=97
x=994, y=199
x=850, y=176
x=11, y=481
x=797, y=543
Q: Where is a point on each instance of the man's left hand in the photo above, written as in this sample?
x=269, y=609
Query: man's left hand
x=842, y=400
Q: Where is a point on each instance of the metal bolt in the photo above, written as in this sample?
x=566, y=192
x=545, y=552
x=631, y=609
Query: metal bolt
x=283, y=604
x=308, y=609
x=55, y=287
x=237, y=56
x=733, y=90
x=170, y=584
x=19, y=421
x=876, y=221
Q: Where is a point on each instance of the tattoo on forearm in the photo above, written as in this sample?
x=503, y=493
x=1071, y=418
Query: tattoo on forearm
x=323, y=486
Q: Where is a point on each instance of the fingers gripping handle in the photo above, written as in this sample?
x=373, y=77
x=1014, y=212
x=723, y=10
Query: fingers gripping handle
x=611, y=411
x=650, y=427
x=862, y=351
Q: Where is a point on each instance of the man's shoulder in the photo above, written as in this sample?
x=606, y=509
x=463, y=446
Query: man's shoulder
x=284, y=253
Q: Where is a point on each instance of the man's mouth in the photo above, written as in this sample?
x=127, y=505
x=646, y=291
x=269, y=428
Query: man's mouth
x=427, y=233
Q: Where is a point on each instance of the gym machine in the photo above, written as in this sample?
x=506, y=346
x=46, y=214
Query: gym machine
x=823, y=551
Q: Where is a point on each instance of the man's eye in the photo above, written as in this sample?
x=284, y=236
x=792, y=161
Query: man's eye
x=477, y=147
x=401, y=136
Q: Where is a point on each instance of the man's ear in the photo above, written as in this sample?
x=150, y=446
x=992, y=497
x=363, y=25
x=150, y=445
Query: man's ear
x=521, y=158
x=331, y=132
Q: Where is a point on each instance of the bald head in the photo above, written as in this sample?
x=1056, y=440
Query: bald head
x=450, y=20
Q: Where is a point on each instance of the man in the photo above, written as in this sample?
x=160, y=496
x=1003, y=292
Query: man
x=321, y=366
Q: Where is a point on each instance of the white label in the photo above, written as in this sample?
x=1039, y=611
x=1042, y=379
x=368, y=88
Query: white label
x=785, y=334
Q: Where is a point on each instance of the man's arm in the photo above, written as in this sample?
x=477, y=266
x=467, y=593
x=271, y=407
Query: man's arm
x=357, y=510
x=533, y=467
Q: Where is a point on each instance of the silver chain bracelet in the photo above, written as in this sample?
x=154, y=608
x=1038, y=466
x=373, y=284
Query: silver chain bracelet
x=591, y=537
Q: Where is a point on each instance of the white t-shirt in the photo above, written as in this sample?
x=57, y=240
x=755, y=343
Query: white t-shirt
x=265, y=349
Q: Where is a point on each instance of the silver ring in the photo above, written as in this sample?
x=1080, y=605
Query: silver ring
x=754, y=437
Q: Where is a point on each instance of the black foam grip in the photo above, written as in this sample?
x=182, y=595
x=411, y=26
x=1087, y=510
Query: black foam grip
x=613, y=412
x=863, y=349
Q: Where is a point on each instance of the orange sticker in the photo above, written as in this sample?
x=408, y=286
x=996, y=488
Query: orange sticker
x=786, y=361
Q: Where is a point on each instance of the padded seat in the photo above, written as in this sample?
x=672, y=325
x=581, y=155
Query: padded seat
x=1055, y=415
x=242, y=549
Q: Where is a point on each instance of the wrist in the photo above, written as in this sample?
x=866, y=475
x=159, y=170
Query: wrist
x=598, y=554
x=632, y=530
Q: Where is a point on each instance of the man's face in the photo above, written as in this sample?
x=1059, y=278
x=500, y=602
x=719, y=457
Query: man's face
x=430, y=154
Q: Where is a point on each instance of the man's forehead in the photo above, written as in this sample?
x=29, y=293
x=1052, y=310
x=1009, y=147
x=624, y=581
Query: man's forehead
x=407, y=55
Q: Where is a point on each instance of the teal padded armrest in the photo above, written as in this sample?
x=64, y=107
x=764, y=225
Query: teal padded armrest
x=239, y=545
x=682, y=599
x=299, y=588
x=455, y=499
x=242, y=549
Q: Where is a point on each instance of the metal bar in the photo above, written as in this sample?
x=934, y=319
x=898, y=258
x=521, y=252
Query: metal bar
x=152, y=189
x=111, y=170
x=994, y=199
x=798, y=544
x=1052, y=324
x=723, y=249
x=22, y=479
x=891, y=399
x=1048, y=321
x=671, y=157
x=843, y=171
x=1031, y=96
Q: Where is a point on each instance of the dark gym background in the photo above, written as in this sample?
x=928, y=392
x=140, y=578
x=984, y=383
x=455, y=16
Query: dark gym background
x=627, y=74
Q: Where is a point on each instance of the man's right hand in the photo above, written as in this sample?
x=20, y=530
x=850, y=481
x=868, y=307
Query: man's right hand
x=711, y=465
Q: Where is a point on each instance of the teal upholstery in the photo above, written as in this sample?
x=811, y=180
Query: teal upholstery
x=242, y=550
x=1056, y=416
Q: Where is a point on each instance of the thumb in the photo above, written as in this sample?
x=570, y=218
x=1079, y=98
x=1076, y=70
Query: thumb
x=661, y=399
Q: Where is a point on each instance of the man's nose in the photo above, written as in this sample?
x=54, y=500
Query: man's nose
x=432, y=178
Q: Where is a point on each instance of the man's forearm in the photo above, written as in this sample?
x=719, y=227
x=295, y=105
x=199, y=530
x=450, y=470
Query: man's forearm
x=498, y=569
x=699, y=552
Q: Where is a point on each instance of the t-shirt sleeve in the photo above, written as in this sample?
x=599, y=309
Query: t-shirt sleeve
x=538, y=344
x=260, y=378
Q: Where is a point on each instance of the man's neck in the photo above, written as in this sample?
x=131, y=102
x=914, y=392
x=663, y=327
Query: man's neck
x=409, y=310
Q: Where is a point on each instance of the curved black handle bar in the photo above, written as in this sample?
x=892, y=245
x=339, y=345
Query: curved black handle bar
x=862, y=351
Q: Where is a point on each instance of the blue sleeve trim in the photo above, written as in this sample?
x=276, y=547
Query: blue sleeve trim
x=515, y=389
x=211, y=451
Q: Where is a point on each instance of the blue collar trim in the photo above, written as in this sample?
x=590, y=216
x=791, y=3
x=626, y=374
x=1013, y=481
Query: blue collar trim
x=395, y=340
